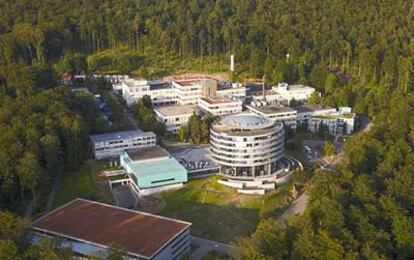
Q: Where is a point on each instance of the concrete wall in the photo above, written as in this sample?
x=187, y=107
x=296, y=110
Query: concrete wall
x=252, y=192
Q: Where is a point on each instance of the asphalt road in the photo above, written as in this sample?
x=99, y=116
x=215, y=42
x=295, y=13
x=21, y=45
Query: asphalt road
x=297, y=208
x=124, y=197
x=205, y=246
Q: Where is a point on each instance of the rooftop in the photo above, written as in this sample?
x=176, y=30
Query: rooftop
x=144, y=153
x=119, y=136
x=286, y=87
x=158, y=167
x=313, y=108
x=139, y=233
x=157, y=84
x=245, y=121
x=218, y=100
x=187, y=82
x=272, y=109
x=175, y=110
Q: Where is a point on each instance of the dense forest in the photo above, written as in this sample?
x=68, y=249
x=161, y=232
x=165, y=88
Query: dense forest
x=357, y=53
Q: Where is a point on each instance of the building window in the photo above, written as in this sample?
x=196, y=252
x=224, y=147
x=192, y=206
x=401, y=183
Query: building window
x=171, y=179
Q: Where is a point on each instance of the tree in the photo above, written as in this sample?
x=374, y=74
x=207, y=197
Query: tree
x=29, y=172
x=182, y=133
x=13, y=228
x=315, y=98
x=8, y=250
x=194, y=129
x=323, y=130
x=329, y=148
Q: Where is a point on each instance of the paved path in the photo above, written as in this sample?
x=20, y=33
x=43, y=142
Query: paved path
x=52, y=194
x=297, y=208
x=123, y=197
x=205, y=246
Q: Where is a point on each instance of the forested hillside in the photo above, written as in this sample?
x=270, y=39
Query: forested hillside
x=357, y=53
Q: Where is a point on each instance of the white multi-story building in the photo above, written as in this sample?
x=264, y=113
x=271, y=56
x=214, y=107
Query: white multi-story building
x=247, y=146
x=339, y=121
x=113, y=144
x=161, y=93
x=174, y=116
x=231, y=90
x=293, y=92
x=285, y=115
x=220, y=106
x=189, y=90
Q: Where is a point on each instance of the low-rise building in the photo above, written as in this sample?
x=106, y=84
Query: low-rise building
x=219, y=106
x=152, y=169
x=113, y=144
x=285, y=115
x=161, y=92
x=174, y=116
x=189, y=90
x=305, y=112
x=231, y=90
x=338, y=122
x=90, y=229
x=293, y=92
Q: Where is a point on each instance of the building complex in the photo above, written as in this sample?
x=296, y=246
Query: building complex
x=113, y=144
x=90, y=229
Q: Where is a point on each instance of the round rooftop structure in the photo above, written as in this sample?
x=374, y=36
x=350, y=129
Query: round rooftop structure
x=247, y=146
x=246, y=121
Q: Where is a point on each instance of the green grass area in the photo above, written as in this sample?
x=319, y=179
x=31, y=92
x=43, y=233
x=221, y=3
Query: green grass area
x=83, y=183
x=218, y=212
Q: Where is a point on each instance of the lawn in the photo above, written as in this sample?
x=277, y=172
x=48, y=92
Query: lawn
x=218, y=212
x=83, y=183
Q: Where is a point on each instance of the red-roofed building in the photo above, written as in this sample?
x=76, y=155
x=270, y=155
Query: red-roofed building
x=91, y=228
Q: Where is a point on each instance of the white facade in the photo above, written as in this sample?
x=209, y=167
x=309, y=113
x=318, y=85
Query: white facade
x=339, y=121
x=113, y=144
x=247, y=146
x=220, y=106
x=231, y=90
x=294, y=92
x=174, y=116
x=285, y=115
x=161, y=93
x=305, y=112
x=188, y=91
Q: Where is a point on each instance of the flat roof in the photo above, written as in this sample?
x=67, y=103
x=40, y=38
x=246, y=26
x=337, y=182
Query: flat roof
x=144, y=153
x=157, y=167
x=157, y=84
x=313, y=108
x=272, y=109
x=119, y=135
x=219, y=100
x=296, y=87
x=176, y=110
x=187, y=82
x=139, y=233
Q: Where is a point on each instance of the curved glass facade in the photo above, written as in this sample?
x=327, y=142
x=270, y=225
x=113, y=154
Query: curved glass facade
x=247, y=151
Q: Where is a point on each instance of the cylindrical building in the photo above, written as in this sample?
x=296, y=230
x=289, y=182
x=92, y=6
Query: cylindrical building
x=247, y=146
